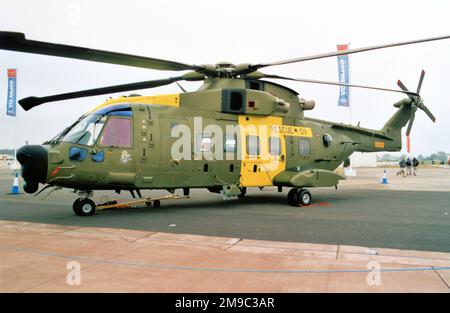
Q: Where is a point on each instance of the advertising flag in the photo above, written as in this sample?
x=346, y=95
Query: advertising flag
x=11, y=97
x=344, y=77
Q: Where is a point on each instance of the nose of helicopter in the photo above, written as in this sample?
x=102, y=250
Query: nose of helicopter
x=34, y=161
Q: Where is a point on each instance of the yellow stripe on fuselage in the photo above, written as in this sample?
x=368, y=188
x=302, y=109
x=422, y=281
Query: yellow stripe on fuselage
x=295, y=131
x=167, y=100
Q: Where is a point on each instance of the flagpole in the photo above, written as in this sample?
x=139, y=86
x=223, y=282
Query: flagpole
x=15, y=129
x=15, y=139
x=15, y=166
x=350, y=91
x=11, y=109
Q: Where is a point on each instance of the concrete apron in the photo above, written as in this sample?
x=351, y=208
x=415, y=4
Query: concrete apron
x=54, y=258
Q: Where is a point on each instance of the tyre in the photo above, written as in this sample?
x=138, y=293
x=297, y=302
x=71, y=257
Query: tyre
x=304, y=197
x=292, y=196
x=156, y=204
x=75, y=204
x=243, y=192
x=84, y=207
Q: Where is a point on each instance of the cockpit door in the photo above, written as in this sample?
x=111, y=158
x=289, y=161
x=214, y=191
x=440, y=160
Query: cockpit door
x=116, y=141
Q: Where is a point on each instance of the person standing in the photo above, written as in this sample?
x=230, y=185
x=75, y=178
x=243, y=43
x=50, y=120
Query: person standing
x=402, y=165
x=408, y=166
x=415, y=163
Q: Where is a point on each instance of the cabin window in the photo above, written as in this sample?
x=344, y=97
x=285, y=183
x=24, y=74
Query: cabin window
x=99, y=156
x=327, y=139
x=255, y=85
x=77, y=154
x=203, y=142
x=117, y=133
x=275, y=145
x=304, y=147
x=229, y=146
x=230, y=143
x=253, y=146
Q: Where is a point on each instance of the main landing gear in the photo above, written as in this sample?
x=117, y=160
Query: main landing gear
x=299, y=197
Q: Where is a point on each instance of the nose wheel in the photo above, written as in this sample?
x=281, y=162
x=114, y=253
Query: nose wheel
x=299, y=197
x=84, y=207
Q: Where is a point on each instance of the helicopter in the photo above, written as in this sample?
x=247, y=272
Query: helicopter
x=256, y=133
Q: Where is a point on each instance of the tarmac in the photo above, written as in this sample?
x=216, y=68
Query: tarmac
x=363, y=237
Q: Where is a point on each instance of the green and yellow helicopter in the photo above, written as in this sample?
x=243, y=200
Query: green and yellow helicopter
x=237, y=131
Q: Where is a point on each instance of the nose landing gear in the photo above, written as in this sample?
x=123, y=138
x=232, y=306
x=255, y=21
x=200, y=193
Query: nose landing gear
x=84, y=207
x=299, y=197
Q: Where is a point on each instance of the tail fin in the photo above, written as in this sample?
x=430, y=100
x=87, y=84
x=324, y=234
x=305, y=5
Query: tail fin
x=394, y=125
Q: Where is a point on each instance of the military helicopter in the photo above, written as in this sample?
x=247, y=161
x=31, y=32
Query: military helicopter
x=256, y=133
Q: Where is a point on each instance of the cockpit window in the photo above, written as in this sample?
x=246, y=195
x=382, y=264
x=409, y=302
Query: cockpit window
x=117, y=133
x=86, y=131
x=88, y=128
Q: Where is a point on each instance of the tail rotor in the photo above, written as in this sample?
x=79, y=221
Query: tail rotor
x=416, y=103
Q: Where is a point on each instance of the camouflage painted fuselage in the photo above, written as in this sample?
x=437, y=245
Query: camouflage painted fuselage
x=307, y=154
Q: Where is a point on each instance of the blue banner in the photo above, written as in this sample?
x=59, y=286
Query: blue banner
x=11, y=98
x=344, y=77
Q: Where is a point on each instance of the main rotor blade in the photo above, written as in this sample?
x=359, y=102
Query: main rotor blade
x=17, y=42
x=312, y=81
x=411, y=121
x=255, y=67
x=31, y=102
x=419, y=86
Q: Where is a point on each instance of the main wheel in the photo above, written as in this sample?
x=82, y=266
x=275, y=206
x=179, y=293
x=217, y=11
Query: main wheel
x=84, y=207
x=304, y=197
x=75, y=204
x=243, y=192
x=156, y=204
x=293, y=196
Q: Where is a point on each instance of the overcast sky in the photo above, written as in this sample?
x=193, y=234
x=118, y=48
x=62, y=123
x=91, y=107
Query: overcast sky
x=200, y=32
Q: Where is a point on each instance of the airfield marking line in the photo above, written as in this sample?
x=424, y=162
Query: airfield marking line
x=55, y=279
x=29, y=232
x=93, y=261
x=284, y=248
x=229, y=270
x=397, y=256
x=443, y=280
x=240, y=239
